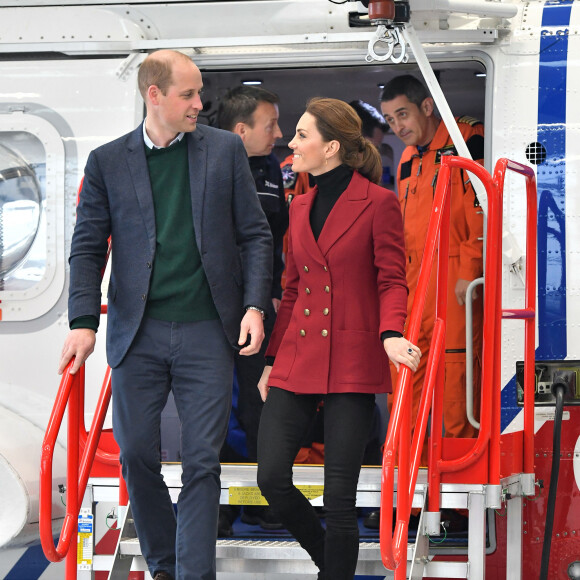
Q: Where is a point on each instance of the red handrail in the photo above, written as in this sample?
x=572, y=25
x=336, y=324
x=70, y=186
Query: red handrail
x=66, y=394
x=71, y=391
x=394, y=545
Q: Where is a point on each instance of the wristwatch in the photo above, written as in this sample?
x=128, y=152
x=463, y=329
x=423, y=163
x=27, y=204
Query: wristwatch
x=257, y=310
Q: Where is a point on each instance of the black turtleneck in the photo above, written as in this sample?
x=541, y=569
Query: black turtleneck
x=330, y=187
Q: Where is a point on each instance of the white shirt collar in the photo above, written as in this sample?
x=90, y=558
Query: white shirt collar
x=152, y=145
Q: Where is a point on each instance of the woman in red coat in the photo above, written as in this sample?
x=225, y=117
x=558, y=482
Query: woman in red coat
x=340, y=321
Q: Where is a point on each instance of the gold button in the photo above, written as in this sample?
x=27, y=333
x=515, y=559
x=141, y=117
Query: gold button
x=327, y=289
x=306, y=312
x=324, y=332
x=302, y=332
x=306, y=268
x=307, y=290
x=325, y=269
x=325, y=312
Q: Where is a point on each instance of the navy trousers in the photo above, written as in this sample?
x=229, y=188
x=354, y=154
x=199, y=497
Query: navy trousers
x=195, y=361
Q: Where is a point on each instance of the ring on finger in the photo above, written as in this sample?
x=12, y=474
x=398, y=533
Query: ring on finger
x=410, y=350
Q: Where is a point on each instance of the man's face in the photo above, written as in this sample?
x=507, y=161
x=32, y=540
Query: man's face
x=261, y=138
x=408, y=121
x=177, y=110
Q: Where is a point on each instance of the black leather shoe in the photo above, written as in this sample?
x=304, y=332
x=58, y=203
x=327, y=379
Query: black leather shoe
x=414, y=522
x=262, y=516
x=163, y=576
x=454, y=522
x=372, y=520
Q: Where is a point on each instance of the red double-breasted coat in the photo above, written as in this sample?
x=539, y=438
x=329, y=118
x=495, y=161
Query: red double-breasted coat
x=342, y=291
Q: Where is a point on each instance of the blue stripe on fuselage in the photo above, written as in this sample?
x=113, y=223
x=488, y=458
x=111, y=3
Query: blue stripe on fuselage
x=551, y=180
x=30, y=566
x=551, y=177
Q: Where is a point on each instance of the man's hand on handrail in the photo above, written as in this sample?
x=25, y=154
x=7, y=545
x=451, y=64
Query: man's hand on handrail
x=79, y=343
x=400, y=350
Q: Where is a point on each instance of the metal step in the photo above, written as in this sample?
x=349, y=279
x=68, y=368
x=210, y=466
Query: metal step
x=284, y=558
x=273, y=556
x=453, y=495
x=236, y=476
x=265, y=557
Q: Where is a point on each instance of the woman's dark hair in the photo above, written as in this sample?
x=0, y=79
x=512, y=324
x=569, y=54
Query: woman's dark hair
x=338, y=121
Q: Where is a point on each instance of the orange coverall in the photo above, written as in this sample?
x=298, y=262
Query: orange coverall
x=416, y=180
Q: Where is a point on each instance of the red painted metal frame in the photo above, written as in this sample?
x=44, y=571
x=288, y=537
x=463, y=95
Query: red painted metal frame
x=394, y=545
x=528, y=313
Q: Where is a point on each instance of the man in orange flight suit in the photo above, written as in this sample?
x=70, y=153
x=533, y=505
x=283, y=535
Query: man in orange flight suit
x=409, y=110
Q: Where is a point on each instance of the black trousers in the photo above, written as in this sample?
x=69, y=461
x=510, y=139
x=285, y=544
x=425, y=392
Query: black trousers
x=347, y=421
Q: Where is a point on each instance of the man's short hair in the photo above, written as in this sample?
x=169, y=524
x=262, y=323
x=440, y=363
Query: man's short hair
x=238, y=105
x=408, y=86
x=370, y=118
x=157, y=69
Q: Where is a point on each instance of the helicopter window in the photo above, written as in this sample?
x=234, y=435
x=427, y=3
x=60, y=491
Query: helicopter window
x=20, y=219
x=32, y=213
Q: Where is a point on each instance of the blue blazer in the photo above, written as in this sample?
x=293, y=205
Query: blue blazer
x=232, y=234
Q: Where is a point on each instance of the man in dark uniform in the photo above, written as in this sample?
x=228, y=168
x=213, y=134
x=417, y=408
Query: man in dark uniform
x=252, y=113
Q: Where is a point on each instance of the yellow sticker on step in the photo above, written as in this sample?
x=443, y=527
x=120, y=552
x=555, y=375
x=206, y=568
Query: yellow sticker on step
x=246, y=495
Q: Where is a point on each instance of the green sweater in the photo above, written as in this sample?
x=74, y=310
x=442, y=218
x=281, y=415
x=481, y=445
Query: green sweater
x=179, y=290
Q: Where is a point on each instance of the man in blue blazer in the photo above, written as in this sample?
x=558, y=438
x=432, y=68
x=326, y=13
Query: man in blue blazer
x=190, y=281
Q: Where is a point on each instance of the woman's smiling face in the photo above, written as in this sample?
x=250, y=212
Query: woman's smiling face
x=310, y=150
